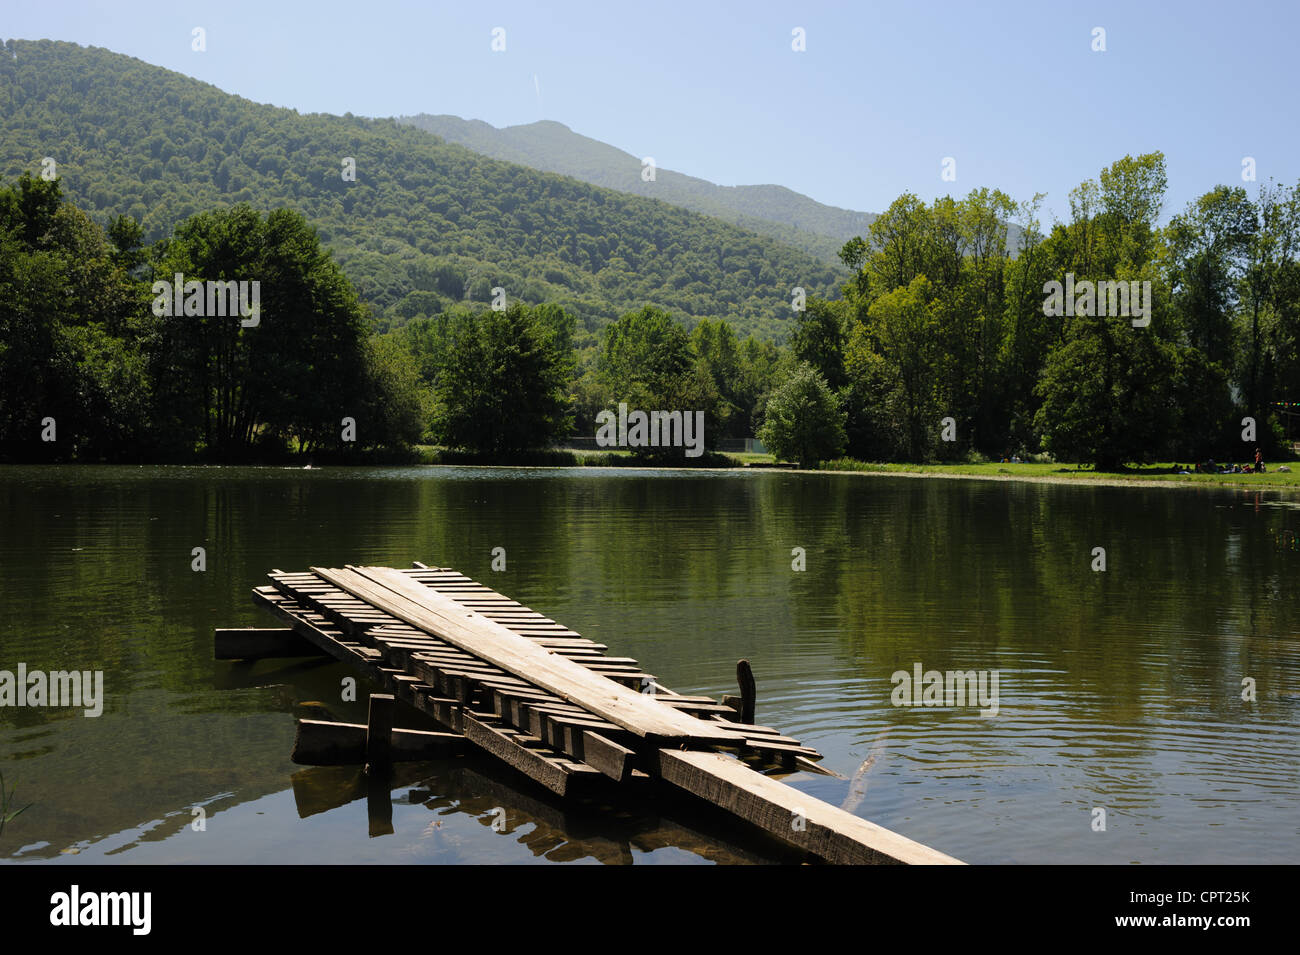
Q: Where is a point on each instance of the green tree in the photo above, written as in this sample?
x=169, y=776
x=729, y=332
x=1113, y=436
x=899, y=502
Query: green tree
x=644, y=358
x=1269, y=291
x=1106, y=394
x=741, y=373
x=803, y=421
x=1107, y=388
x=818, y=338
x=297, y=373
x=72, y=336
x=397, y=406
x=503, y=387
x=871, y=427
x=127, y=237
x=1208, y=247
x=1027, y=333
x=905, y=324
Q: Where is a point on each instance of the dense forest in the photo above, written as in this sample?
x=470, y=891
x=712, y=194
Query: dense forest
x=389, y=316
x=424, y=224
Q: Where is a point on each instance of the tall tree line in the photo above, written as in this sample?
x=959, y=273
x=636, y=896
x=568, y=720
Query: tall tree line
x=940, y=322
x=94, y=365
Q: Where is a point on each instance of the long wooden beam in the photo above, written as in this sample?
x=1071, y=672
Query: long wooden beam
x=795, y=818
x=420, y=606
x=259, y=643
x=326, y=743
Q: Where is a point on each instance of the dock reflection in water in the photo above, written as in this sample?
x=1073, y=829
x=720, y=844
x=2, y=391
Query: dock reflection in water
x=507, y=807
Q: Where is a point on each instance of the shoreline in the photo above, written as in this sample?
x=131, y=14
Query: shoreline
x=1245, y=482
x=1100, y=481
x=1106, y=480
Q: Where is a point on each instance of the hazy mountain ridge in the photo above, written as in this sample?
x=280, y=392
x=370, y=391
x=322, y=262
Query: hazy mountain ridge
x=547, y=145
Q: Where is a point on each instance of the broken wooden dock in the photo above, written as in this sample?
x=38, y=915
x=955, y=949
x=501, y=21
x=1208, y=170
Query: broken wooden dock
x=544, y=700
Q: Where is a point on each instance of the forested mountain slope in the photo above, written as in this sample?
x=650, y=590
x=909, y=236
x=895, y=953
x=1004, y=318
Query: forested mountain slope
x=424, y=223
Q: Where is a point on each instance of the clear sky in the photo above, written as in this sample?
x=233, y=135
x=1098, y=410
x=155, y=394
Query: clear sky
x=883, y=93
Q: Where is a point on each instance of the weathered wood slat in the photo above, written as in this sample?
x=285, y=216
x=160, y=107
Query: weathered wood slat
x=509, y=748
x=610, y=758
x=257, y=643
x=794, y=817
x=316, y=631
x=325, y=743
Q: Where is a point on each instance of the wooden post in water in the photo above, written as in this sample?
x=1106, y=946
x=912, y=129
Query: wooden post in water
x=748, y=691
x=379, y=733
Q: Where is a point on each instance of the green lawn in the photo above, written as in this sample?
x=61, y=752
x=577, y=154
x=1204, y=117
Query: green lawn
x=1051, y=471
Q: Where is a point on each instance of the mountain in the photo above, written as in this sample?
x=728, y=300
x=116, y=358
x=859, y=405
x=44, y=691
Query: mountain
x=782, y=213
x=425, y=222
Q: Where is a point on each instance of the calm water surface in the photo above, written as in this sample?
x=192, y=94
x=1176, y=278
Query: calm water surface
x=1119, y=690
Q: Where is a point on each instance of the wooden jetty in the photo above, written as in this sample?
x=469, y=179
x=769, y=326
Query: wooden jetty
x=544, y=700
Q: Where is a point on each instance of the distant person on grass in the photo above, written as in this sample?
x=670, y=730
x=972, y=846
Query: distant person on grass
x=1259, y=462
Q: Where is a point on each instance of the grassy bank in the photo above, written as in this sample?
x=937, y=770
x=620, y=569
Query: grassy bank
x=1034, y=471
x=1164, y=473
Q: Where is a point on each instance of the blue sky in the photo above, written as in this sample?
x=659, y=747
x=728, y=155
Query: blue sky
x=884, y=92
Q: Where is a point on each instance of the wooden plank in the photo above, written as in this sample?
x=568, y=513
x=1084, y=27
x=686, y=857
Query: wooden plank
x=711, y=708
x=446, y=711
x=419, y=606
x=613, y=760
x=795, y=818
x=544, y=771
x=808, y=766
x=325, y=743
x=560, y=642
x=564, y=732
x=746, y=729
x=765, y=744
x=328, y=640
x=540, y=716
x=260, y=643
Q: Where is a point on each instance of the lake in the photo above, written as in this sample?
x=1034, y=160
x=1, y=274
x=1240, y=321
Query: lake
x=1118, y=689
